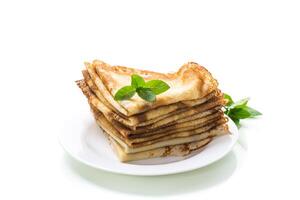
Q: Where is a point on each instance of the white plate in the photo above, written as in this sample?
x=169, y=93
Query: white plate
x=84, y=141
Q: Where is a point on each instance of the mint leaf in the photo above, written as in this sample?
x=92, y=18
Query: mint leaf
x=239, y=113
x=124, y=93
x=137, y=81
x=146, y=91
x=240, y=103
x=146, y=94
x=228, y=98
x=239, y=110
x=157, y=86
x=252, y=111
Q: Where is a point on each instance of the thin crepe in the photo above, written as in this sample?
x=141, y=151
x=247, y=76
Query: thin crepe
x=185, y=130
x=175, y=150
x=142, y=132
x=177, y=133
x=143, y=118
x=162, y=123
x=190, y=82
x=111, y=131
x=183, y=113
x=86, y=89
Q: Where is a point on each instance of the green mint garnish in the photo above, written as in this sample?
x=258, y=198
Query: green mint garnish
x=239, y=110
x=145, y=90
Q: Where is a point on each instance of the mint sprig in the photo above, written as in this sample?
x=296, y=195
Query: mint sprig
x=146, y=90
x=239, y=110
x=125, y=93
x=157, y=86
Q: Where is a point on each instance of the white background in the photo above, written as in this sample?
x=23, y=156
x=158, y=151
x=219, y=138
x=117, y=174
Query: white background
x=251, y=47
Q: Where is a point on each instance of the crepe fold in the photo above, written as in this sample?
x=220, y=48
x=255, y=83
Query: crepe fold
x=174, y=150
x=180, y=138
x=183, y=119
x=168, y=112
x=190, y=82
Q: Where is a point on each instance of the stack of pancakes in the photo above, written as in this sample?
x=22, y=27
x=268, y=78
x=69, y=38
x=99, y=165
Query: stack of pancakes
x=183, y=119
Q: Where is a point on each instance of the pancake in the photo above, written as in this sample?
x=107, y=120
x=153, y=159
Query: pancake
x=178, y=129
x=105, y=93
x=175, y=150
x=141, y=132
x=142, y=118
x=182, y=119
x=182, y=136
x=183, y=131
x=150, y=124
x=178, y=133
x=190, y=82
x=89, y=82
x=183, y=113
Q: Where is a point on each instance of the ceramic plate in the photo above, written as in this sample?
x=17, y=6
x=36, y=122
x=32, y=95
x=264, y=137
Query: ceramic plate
x=84, y=141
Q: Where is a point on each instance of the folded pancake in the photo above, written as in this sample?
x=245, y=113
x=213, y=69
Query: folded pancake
x=215, y=102
x=90, y=83
x=105, y=93
x=190, y=82
x=185, y=126
x=184, y=118
x=184, y=131
x=214, y=99
x=183, y=113
x=175, y=150
x=177, y=138
x=194, y=127
x=143, y=118
x=181, y=132
x=142, y=132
